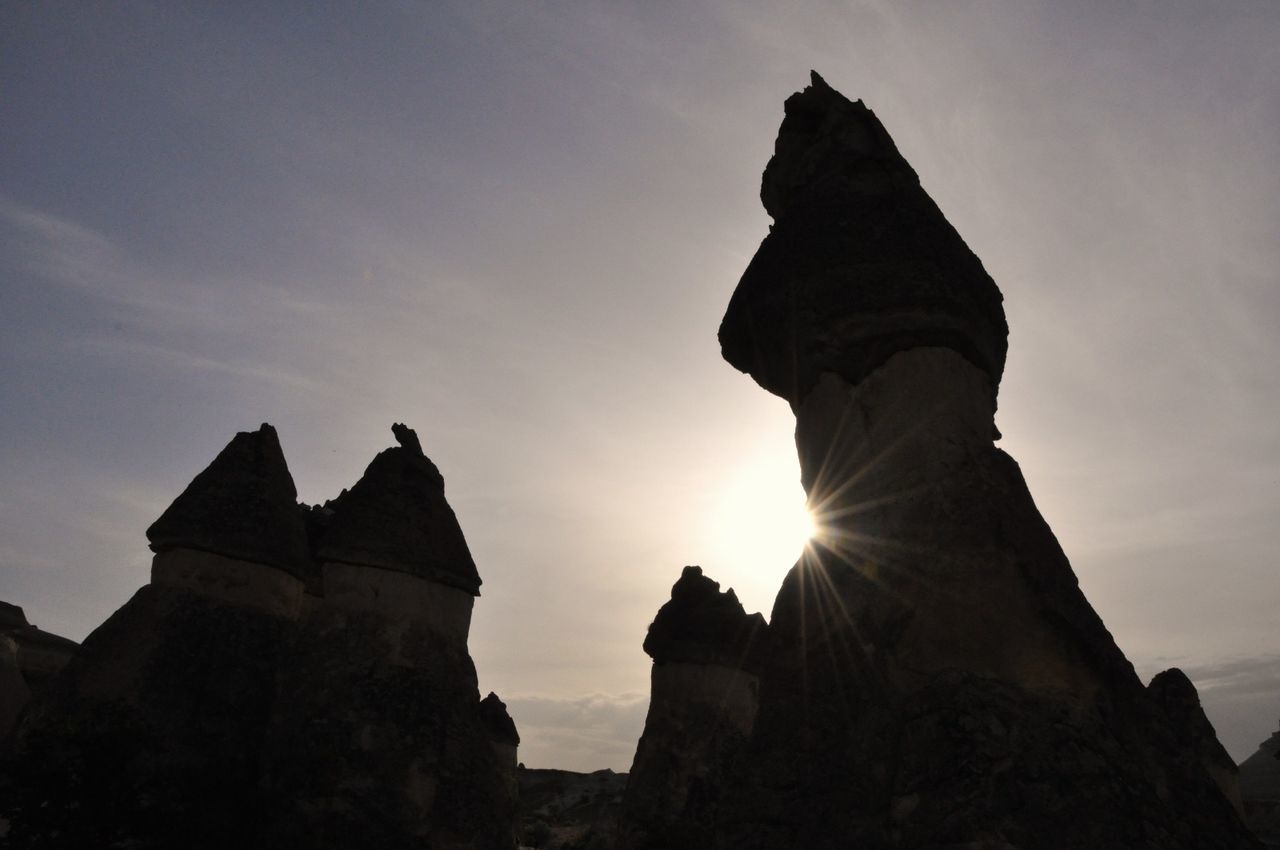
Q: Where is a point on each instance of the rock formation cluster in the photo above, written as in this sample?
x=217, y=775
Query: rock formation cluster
x=931, y=675
x=292, y=676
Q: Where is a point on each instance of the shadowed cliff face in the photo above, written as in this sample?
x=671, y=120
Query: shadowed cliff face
x=936, y=678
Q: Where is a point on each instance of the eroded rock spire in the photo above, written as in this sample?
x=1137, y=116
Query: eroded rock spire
x=860, y=262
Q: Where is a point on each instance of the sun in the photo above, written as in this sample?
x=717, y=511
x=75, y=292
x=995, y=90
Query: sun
x=759, y=523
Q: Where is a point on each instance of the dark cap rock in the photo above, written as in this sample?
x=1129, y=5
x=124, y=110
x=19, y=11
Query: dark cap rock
x=502, y=728
x=396, y=518
x=701, y=625
x=242, y=506
x=860, y=263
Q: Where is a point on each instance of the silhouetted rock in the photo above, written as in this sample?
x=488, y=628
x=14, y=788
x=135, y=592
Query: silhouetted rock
x=1260, y=790
x=256, y=694
x=701, y=625
x=243, y=506
x=704, y=695
x=499, y=723
x=1176, y=696
x=396, y=518
x=564, y=810
x=933, y=676
x=11, y=617
x=859, y=264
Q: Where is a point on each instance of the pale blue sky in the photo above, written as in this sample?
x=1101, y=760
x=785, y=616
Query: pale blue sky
x=515, y=226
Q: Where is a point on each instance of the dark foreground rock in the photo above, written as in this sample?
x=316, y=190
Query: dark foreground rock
x=255, y=695
x=565, y=810
x=933, y=675
x=1260, y=790
x=704, y=695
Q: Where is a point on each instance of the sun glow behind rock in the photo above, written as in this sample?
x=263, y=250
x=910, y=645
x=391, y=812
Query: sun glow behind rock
x=757, y=528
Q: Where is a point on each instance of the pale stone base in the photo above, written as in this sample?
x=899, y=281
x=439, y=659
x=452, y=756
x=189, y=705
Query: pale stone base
x=236, y=582
x=399, y=597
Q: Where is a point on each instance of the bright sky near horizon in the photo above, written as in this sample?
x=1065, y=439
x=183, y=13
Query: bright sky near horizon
x=515, y=225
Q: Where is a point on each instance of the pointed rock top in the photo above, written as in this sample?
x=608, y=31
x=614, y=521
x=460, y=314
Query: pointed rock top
x=860, y=263
x=243, y=505
x=830, y=148
x=701, y=625
x=502, y=728
x=396, y=518
x=407, y=438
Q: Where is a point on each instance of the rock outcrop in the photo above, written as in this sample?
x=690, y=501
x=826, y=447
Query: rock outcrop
x=704, y=695
x=934, y=675
x=1176, y=697
x=40, y=655
x=1260, y=790
x=291, y=676
x=29, y=657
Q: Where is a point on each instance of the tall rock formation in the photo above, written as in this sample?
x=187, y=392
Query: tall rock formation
x=290, y=677
x=936, y=677
x=704, y=695
x=405, y=757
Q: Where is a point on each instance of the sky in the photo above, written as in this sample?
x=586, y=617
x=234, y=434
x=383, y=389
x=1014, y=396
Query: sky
x=515, y=225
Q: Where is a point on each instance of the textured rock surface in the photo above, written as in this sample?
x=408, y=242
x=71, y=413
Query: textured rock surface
x=396, y=517
x=935, y=676
x=703, y=699
x=243, y=506
x=859, y=263
x=376, y=740
x=249, y=697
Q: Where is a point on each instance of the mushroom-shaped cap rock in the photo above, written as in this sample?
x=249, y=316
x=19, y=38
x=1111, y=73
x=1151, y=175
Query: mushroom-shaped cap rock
x=243, y=506
x=396, y=518
x=860, y=263
x=701, y=625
